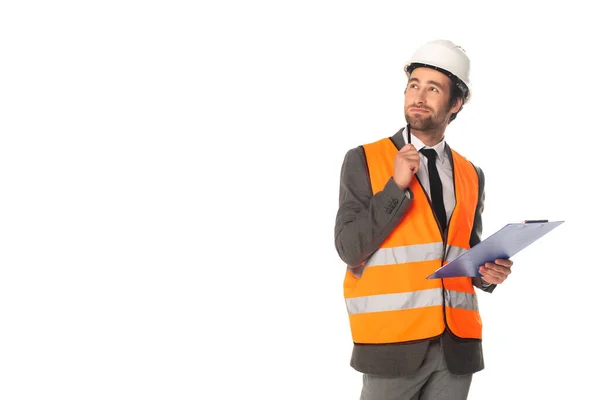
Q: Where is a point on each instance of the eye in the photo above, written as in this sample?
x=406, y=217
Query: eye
x=413, y=86
x=434, y=89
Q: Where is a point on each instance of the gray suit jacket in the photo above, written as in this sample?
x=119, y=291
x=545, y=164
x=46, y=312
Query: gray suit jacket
x=363, y=222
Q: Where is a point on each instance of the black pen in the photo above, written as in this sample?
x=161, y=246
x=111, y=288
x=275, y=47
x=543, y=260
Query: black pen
x=408, y=132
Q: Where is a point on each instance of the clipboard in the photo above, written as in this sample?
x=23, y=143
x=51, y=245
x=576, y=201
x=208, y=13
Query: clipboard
x=505, y=243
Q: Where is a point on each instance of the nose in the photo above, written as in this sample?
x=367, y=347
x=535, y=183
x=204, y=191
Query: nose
x=421, y=98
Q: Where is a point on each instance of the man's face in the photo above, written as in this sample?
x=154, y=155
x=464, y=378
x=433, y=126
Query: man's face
x=427, y=100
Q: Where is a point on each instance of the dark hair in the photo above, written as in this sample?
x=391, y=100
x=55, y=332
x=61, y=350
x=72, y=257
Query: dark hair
x=458, y=90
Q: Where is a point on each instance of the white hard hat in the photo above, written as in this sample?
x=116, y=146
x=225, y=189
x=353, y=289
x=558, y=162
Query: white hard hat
x=445, y=55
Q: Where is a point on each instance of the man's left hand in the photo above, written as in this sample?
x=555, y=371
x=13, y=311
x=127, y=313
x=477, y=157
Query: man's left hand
x=496, y=272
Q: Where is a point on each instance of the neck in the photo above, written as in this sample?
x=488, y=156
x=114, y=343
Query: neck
x=429, y=137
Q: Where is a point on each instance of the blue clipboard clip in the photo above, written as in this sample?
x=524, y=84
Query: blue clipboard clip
x=504, y=243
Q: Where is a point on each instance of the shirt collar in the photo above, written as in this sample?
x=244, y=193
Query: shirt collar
x=439, y=148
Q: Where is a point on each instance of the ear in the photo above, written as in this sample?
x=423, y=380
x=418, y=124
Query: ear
x=457, y=106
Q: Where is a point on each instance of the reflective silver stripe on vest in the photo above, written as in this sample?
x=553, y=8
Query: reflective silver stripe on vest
x=394, y=301
x=406, y=254
x=401, y=255
x=467, y=301
x=405, y=301
x=453, y=251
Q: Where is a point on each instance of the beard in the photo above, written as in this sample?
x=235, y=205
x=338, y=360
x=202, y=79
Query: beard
x=426, y=122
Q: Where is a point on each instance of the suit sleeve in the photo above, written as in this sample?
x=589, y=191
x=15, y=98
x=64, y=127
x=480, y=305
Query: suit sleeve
x=364, y=220
x=478, y=229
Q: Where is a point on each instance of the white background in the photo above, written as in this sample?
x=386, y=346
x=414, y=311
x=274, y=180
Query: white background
x=169, y=180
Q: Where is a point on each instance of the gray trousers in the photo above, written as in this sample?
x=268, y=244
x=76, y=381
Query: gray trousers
x=431, y=381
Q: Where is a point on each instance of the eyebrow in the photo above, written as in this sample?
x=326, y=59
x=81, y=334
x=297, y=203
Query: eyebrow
x=434, y=83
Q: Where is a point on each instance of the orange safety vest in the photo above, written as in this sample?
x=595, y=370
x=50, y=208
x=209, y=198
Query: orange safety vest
x=388, y=298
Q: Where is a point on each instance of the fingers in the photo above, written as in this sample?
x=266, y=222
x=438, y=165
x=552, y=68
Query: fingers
x=409, y=149
x=496, y=273
x=504, y=262
x=406, y=164
x=410, y=153
x=491, y=276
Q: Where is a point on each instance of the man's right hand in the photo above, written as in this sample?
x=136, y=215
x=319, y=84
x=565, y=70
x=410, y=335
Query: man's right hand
x=406, y=164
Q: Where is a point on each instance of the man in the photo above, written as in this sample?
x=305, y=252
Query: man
x=409, y=204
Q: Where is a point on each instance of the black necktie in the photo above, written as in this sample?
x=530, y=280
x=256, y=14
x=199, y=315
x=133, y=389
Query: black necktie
x=435, y=187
